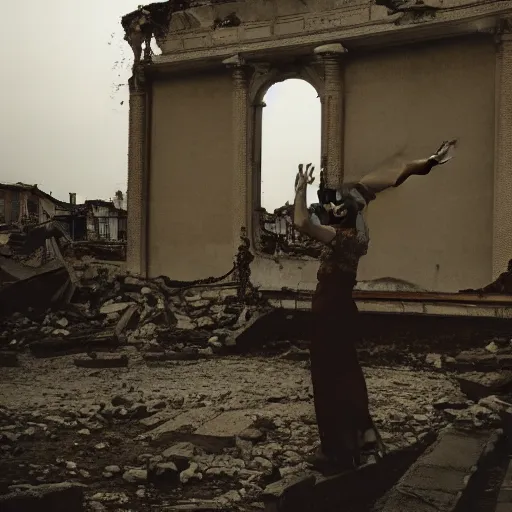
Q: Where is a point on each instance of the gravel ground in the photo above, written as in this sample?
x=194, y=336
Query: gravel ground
x=63, y=423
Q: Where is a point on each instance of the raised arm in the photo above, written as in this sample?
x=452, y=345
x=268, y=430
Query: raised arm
x=301, y=218
x=394, y=176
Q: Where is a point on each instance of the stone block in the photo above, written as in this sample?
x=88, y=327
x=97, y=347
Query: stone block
x=478, y=385
x=290, y=494
x=415, y=502
x=475, y=360
x=456, y=450
x=440, y=478
x=182, y=426
x=221, y=431
x=433, y=478
x=115, y=307
x=180, y=454
x=124, y=320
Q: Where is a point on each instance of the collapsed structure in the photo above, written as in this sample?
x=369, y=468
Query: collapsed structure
x=40, y=236
x=392, y=77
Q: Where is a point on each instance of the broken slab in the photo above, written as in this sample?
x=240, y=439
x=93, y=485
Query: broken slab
x=37, y=291
x=180, y=454
x=221, y=431
x=290, y=494
x=469, y=360
x=61, y=497
x=103, y=361
x=478, y=385
x=438, y=480
x=180, y=427
x=53, y=347
x=116, y=307
x=213, y=431
x=125, y=320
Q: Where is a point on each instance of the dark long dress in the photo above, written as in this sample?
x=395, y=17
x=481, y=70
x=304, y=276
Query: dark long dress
x=340, y=393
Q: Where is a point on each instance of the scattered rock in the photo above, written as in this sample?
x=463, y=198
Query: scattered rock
x=166, y=471
x=190, y=474
x=180, y=454
x=135, y=476
x=115, y=308
x=435, y=360
x=113, y=469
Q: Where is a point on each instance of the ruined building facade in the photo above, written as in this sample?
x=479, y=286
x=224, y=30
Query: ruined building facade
x=392, y=77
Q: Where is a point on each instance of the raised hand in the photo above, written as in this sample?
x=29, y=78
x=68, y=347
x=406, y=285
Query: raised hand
x=303, y=179
x=446, y=152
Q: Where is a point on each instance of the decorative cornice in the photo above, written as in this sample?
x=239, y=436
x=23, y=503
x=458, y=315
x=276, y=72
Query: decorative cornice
x=197, y=49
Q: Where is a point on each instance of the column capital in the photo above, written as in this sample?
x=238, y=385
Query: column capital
x=330, y=51
x=235, y=61
x=503, y=30
x=239, y=68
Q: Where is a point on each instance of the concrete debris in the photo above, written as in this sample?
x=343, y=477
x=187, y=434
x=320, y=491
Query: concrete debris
x=478, y=385
x=153, y=317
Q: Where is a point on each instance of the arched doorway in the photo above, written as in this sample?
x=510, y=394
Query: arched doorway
x=291, y=134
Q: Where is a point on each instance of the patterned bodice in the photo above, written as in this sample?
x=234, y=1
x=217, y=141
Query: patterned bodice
x=344, y=252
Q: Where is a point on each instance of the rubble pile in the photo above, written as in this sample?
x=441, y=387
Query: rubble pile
x=122, y=309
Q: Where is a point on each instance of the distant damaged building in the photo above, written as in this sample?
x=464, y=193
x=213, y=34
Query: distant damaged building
x=22, y=204
x=96, y=220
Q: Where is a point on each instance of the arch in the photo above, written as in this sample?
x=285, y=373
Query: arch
x=263, y=79
x=266, y=76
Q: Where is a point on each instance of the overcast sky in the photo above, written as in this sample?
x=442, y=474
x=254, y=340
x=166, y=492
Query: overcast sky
x=63, y=125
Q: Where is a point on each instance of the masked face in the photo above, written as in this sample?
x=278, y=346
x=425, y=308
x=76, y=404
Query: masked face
x=338, y=211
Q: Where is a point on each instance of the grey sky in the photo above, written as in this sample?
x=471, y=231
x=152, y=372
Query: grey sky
x=291, y=135
x=62, y=123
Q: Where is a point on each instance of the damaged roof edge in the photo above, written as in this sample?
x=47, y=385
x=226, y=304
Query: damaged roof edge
x=34, y=190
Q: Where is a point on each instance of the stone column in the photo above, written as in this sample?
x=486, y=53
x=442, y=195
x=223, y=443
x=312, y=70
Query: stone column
x=257, y=141
x=502, y=228
x=136, y=229
x=332, y=111
x=239, y=199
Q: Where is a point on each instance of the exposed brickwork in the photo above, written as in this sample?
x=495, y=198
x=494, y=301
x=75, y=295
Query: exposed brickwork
x=502, y=236
x=240, y=117
x=332, y=124
x=136, y=158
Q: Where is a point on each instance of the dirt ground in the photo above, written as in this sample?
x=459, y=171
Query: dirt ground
x=63, y=423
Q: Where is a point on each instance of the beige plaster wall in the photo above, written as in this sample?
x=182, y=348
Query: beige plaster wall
x=434, y=231
x=191, y=174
